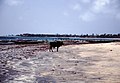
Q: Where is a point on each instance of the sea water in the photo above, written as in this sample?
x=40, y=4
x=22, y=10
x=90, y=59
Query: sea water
x=9, y=38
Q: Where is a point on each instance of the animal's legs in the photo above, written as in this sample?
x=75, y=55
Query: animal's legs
x=50, y=49
x=57, y=49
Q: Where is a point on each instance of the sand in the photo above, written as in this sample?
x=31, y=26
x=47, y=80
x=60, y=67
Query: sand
x=84, y=63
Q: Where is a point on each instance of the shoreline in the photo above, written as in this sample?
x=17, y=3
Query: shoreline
x=13, y=58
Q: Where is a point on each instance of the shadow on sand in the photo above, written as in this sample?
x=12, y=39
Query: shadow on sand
x=7, y=74
x=46, y=79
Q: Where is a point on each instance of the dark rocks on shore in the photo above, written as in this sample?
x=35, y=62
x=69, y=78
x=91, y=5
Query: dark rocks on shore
x=7, y=73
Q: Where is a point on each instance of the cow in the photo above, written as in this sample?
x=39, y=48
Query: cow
x=55, y=44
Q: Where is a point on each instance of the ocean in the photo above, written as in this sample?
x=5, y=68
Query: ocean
x=14, y=38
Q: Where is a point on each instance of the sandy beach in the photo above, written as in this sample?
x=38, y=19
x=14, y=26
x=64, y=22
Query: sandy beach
x=84, y=63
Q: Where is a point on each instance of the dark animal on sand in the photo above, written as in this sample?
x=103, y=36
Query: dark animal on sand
x=55, y=44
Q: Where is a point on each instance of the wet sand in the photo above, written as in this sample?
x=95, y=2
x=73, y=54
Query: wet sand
x=85, y=63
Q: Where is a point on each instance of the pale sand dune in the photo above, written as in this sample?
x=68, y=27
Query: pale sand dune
x=85, y=63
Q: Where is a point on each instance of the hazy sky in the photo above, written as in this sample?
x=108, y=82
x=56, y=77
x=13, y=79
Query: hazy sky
x=59, y=16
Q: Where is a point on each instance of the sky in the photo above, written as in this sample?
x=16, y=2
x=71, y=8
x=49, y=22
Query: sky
x=59, y=16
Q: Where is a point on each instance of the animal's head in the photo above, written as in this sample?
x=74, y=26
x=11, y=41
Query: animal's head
x=60, y=43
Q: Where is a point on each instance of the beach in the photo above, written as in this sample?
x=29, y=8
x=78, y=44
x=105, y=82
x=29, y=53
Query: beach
x=82, y=63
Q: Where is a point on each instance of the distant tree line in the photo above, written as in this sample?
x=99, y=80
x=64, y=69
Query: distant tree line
x=102, y=35
x=70, y=35
x=48, y=35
